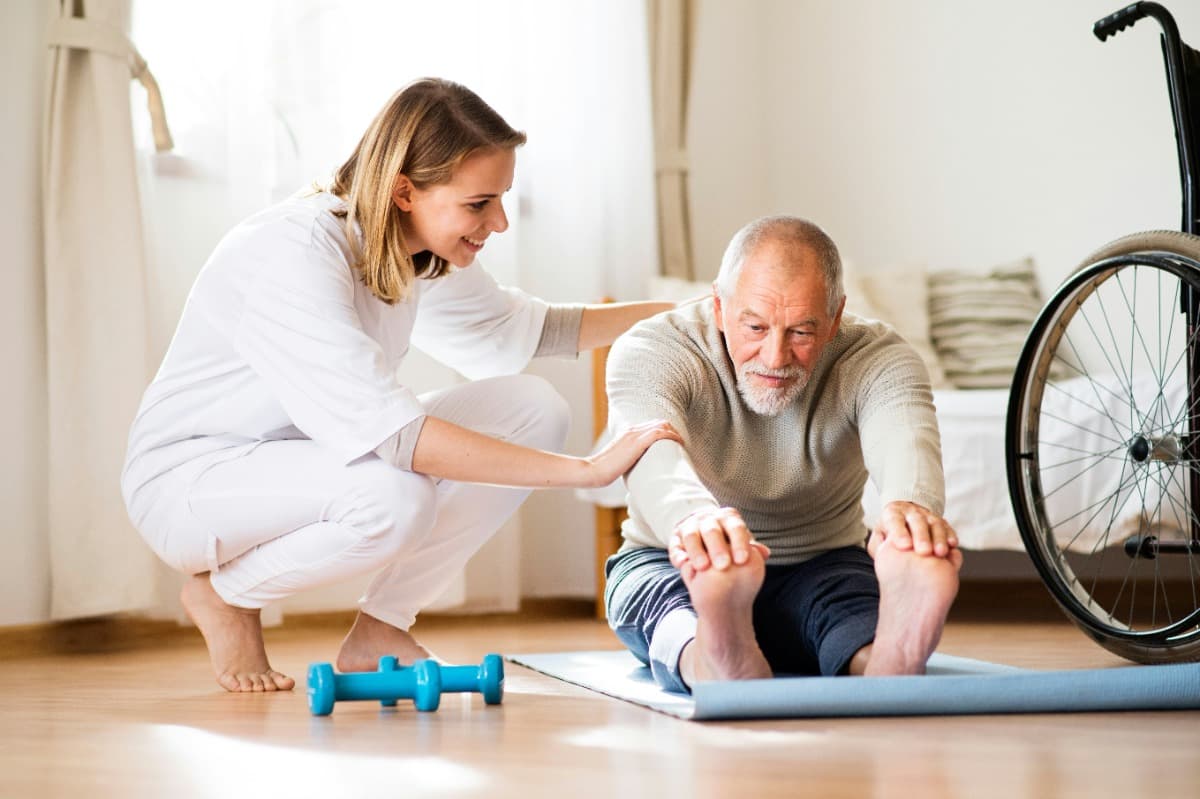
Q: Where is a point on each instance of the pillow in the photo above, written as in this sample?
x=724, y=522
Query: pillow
x=857, y=301
x=979, y=321
x=900, y=298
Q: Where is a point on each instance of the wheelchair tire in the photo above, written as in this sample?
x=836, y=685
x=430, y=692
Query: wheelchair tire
x=1099, y=450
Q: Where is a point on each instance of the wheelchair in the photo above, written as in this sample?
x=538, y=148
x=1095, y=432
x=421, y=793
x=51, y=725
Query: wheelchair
x=1102, y=440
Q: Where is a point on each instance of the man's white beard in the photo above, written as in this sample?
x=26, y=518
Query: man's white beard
x=767, y=401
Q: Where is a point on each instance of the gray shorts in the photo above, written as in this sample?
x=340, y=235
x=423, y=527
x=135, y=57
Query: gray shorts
x=809, y=618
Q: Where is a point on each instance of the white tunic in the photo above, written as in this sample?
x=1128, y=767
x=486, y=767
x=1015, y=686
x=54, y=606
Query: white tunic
x=280, y=339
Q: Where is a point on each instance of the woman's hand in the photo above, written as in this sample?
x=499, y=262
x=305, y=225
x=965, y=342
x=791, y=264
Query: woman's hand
x=624, y=451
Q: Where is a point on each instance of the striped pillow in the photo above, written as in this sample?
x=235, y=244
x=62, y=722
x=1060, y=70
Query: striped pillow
x=979, y=322
x=899, y=297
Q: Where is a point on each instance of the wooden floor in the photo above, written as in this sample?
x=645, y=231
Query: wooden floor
x=144, y=718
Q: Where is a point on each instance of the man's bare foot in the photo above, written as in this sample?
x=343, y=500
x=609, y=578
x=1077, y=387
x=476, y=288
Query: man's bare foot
x=370, y=639
x=724, y=647
x=915, y=594
x=234, y=639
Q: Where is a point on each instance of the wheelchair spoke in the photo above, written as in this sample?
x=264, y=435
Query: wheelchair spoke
x=1101, y=455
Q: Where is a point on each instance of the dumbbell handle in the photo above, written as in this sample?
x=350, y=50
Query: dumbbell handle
x=461, y=678
x=371, y=685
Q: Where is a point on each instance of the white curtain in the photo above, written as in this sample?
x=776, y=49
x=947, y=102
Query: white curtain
x=96, y=277
x=671, y=36
x=267, y=97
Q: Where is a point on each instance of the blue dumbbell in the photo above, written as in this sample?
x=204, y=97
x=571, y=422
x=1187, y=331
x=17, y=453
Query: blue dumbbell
x=422, y=683
x=487, y=678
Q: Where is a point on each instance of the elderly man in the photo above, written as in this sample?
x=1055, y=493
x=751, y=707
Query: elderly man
x=746, y=551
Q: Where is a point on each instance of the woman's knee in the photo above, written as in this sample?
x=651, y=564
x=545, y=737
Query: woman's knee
x=544, y=416
x=390, y=509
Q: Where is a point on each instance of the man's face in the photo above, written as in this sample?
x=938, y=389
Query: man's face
x=776, y=324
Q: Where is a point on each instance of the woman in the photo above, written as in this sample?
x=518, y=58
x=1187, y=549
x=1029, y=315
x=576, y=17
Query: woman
x=275, y=450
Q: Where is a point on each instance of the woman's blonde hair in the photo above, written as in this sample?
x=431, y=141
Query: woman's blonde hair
x=424, y=132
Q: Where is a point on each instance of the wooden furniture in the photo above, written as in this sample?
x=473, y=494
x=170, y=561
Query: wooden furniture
x=608, y=520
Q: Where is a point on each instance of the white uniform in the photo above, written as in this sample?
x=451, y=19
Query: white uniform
x=253, y=452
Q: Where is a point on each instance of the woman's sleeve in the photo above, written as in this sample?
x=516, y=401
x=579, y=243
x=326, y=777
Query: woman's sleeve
x=470, y=323
x=301, y=334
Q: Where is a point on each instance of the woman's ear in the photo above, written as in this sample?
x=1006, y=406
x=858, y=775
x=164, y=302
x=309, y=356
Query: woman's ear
x=402, y=193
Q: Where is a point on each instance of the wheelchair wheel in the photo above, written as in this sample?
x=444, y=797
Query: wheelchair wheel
x=1103, y=446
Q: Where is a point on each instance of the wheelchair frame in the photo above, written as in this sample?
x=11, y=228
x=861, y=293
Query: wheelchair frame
x=1148, y=428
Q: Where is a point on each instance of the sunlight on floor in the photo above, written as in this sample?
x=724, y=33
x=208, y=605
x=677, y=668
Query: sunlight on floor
x=221, y=766
x=657, y=737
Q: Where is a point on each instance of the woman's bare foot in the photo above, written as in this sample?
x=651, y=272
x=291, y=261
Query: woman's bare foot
x=370, y=639
x=915, y=594
x=234, y=639
x=724, y=647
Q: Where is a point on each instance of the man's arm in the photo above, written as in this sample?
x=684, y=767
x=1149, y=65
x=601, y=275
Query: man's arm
x=650, y=378
x=650, y=375
x=902, y=450
x=664, y=489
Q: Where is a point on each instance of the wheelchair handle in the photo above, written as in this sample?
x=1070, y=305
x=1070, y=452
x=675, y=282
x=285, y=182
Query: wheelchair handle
x=1118, y=21
x=1183, y=70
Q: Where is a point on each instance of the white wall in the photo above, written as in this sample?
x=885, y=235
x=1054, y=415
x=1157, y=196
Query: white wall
x=730, y=114
x=958, y=134
x=955, y=133
x=24, y=567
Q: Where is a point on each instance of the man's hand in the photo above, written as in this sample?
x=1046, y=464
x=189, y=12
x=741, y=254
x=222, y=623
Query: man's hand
x=907, y=525
x=712, y=537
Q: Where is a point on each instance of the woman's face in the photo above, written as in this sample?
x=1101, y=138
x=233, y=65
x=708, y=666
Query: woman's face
x=453, y=220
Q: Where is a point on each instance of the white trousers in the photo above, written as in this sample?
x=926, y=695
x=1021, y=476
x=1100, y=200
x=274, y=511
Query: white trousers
x=288, y=516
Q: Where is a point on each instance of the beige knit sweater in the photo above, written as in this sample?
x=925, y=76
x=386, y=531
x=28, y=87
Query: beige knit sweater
x=798, y=477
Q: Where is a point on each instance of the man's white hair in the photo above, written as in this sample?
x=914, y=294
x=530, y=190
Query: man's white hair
x=788, y=230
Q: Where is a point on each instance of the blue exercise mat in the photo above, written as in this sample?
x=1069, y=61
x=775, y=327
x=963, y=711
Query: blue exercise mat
x=953, y=686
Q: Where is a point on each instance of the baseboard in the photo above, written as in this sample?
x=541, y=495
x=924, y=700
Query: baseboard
x=978, y=600
x=1004, y=600
x=122, y=633
x=97, y=634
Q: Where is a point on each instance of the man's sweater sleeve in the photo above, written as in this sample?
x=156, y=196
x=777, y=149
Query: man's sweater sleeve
x=898, y=428
x=651, y=379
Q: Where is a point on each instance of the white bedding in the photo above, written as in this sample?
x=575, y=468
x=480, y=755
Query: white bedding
x=1091, y=500
x=971, y=424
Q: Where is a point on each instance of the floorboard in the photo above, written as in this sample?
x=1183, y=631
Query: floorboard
x=142, y=717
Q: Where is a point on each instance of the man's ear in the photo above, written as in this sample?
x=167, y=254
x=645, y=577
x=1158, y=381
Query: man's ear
x=717, y=307
x=837, y=318
x=402, y=193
